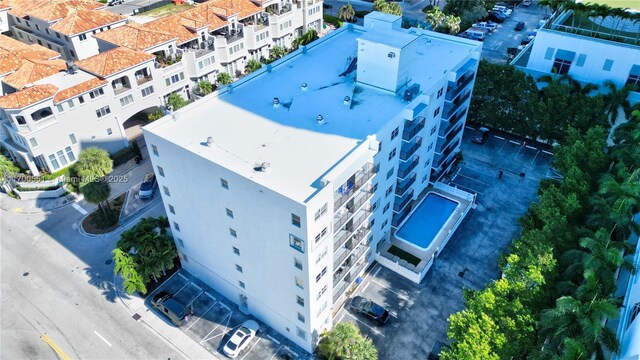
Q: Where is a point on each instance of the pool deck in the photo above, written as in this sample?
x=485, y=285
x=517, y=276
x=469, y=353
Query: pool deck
x=467, y=202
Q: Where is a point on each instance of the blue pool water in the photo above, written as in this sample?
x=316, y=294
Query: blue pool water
x=426, y=220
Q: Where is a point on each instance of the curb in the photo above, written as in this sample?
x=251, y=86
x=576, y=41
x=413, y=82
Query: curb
x=121, y=225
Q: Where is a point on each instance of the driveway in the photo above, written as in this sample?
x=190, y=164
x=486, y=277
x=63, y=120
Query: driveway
x=216, y=317
x=419, y=312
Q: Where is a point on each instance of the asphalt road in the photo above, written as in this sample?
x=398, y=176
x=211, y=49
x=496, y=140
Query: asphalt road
x=55, y=281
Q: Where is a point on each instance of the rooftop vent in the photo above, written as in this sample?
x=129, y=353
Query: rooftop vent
x=262, y=167
x=347, y=100
x=209, y=141
x=276, y=102
x=320, y=119
x=304, y=86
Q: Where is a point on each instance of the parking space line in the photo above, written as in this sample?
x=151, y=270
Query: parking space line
x=530, y=147
x=469, y=127
x=184, y=277
x=273, y=339
x=476, y=180
x=207, y=338
x=275, y=352
x=103, y=339
x=365, y=287
x=342, y=316
x=468, y=189
x=547, y=152
x=363, y=323
x=254, y=345
x=498, y=137
x=200, y=317
x=375, y=273
x=535, y=157
x=514, y=142
x=389, y=289
x=197, y=296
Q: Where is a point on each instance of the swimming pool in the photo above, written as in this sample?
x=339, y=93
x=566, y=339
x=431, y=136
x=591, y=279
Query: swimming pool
x=425, y=222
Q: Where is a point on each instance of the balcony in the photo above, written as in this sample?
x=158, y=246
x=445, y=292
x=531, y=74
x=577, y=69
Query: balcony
x=229, y=36
x=343, y=234
x=450, y=108
x=407, y=151
x=344, y=214
x=462, y=83
x=121, y=85
x=355, y=182
x=275, y=10
x=455, y=119
x=443, y=143
x=351, y=245
x=401, y=202
x=411, y=128
x=402, y=186
x=407, y=167
x=445, y=154
x=399, y=217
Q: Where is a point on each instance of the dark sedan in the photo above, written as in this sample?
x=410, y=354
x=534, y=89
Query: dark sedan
x=369, y=309
x=481, y=135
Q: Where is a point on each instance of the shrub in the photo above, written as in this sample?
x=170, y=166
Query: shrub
x=38, y=188
x=176, y=101
x=154, y=116
x=123, y=155
x=332, y=20
x=204, y=87
x=224, y=78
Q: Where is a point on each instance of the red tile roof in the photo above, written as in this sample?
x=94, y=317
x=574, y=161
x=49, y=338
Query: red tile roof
x=113, y=61
x=32, y=71
x=26, y=97
x=135, y=37
x=78, y=89
x=78, y=21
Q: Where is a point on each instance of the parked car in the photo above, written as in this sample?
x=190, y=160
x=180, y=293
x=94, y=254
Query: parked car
x=507, y=5
x=503, y=10
x=369, y=309
x=527, y=3
x=532, y=35
x=481, y=135
x=115, y=2
x=241, y=338
x=525, y=42
x=148, y=186
x=171, y=308
x=519, y=26
x=487, y=25
x=496, y=16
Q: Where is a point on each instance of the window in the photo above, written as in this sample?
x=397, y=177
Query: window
x=299, y=283
x=321, y=292
x=301, y=333
x=166, y=190
x=126, y=100
x=172, y=209
x=380, y=146
x=300, y=300
x=71, y=104
x=295, y=220
x=236, y=251
x=548, y=55
x=321, y=211
x=297, y=263
x=321, y=274
x=229, y=213
x=424, y=178
x=224, y=183
x=103, y=111
x=386, y=207
x=72, y=137
x=581, y=59
x=389, y=191
x=433, y=130
x=176, y=226
x=160, y=171
x=285, y=25
x=262, y=36
x=426, y=163
x=374, y=188
x=60, y=108
x=181, y=243
x=241, y=284
x=296, y=243
x=374, y=206
x=33, y=142
x=634, y=77
x=82, y=37
x=322, y=254
x=109, y=131
x=70, y=154
x=147, y=91
x=54, y=162
x=96, y=93
x=239, y=268
x=440, y=92
x=430, y=147
x=154, y=149
x=63, y=160
x=233, y=233
x=390, y=173
x=321, y=234
x=81, y=99
x=236, y=48
x=206, y=62
x=174, y=78
x=394, y=133
x=608, y=64
x=392, y=153
x=561, y=66
x=436, y=112
x=384, y=223
x=301, y=317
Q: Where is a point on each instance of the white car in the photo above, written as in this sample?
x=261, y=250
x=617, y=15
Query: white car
x=241, y=338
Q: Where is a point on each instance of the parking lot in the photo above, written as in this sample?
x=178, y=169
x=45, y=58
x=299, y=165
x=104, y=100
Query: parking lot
x=496, y=43
x=215, y=318
x=419, y=312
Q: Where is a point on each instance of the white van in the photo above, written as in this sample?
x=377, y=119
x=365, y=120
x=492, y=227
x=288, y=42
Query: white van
x=478, y=34
x=503, y=9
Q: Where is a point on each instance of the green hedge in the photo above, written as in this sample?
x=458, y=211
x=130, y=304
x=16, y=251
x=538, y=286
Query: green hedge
x=39, y=188
x=123, y=156
x=332, y=20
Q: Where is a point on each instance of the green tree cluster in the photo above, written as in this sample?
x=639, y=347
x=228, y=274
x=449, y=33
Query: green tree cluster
x=345, y=342
x=7, y=166
x=385, y=6
x=347, y=13
x=176, y=101
x=91, y=168
x=559, y=275
x=143, y=253
x=305, y=39
x=441, y=22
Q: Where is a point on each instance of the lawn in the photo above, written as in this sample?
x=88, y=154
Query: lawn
x=394, y=250
x=168, y=9
x=631, y=4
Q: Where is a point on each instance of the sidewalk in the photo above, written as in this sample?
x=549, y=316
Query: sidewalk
x=124, y=171
x=171, y=335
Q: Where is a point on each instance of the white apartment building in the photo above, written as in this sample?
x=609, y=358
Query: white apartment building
x=280, y=186
x=577, y=48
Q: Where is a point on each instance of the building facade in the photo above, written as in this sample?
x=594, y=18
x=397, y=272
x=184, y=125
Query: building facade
x=297, y=183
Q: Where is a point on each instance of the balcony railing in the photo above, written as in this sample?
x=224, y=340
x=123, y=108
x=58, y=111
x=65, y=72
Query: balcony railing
x=440, y=157
x=352, y=244
x=454, y=90
x=344, y=234
x=450, y=108
x=407, y=167
x=406, y=153
x=411, y=128
x=144, y=79
x=121, y=89
x=447, y=140
x=353, y=206
x=338, y=291
x=401, y=202
x=398, y=217
x=402, y=186
x=455, y=119
x=344, y=192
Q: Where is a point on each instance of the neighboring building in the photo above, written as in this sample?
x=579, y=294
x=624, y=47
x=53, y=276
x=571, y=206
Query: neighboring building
x=280, y=187
x=572, y=45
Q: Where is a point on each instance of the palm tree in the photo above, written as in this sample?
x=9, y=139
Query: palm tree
x=252, y=65
x=380, y=5
x=452, y=23
x=336, y=343
x=394, y=8
x=277, y=52
x=97, y=192
x=346, y=13
x=435, y=18
x=93, y=164
x=126, y=268
x=615, y=99
x=204, y=87
x=176, y=101
x=224, y=78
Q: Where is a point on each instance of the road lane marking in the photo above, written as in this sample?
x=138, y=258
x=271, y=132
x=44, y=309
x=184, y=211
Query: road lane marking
x=103, y=339
x=80, y=209
x=55, y=347
x=275, y=353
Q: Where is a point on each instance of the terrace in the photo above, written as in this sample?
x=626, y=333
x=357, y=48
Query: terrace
x=606, y=28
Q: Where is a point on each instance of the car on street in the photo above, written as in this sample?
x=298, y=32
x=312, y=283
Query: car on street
x=171, y=308
x=369, y=309
x=481, y=135
x=241, y=338
x=519, y=26
x=148, y=186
